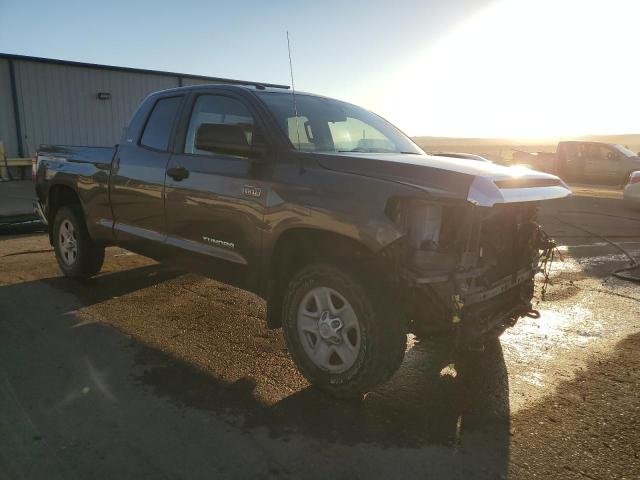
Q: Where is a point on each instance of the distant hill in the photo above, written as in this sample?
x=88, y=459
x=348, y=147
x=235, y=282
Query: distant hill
x=625, y=139
x=500, y=149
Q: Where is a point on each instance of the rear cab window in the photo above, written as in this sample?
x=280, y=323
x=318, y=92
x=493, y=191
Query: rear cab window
x=157, y=131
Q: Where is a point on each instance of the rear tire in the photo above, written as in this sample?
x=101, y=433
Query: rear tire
x=77, y=254
x=349, y=357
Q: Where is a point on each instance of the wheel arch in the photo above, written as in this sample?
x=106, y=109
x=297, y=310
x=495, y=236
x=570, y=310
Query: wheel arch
x=59, y=195
x=299, y=246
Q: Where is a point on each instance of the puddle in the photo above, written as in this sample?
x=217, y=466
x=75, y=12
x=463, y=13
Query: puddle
x=535, y=349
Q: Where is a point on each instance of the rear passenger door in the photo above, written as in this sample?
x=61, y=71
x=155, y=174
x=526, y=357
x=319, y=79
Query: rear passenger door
x=215, y=202
x=138, y=175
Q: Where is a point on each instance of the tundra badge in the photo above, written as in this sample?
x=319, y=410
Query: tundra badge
x=218, y=243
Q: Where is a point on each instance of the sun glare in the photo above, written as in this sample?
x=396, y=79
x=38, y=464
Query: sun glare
x=523, y=68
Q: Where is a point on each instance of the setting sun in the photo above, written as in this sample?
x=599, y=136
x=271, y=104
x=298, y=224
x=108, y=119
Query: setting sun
x=522, y=69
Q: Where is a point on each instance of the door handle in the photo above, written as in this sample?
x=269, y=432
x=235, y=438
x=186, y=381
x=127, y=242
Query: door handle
x=178, y=173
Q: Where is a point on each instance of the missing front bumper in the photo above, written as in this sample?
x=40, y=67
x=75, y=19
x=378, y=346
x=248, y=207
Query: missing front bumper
x=481, y=311
x=471, y=295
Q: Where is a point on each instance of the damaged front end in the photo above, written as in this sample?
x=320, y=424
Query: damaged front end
x=465, y=268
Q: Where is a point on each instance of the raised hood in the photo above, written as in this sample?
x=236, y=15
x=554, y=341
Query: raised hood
x=482, y=183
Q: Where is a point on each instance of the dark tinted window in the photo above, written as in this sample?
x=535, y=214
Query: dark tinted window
x=156, y=132
x=217, y=109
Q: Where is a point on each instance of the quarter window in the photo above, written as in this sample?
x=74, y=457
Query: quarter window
x=217, y=109
x=160, y=123
x=300, y=134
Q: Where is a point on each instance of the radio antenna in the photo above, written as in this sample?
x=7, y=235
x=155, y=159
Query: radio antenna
x=293, y=91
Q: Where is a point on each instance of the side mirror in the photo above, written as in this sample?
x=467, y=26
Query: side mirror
x=227, y=140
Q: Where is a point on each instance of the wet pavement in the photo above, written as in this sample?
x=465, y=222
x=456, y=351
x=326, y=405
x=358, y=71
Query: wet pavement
x=146, y=372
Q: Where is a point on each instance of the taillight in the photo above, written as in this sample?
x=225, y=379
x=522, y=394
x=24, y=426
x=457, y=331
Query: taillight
x=634, y=178
x=34, y=167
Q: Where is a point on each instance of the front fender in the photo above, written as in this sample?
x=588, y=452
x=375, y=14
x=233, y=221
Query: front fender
x=345, y=204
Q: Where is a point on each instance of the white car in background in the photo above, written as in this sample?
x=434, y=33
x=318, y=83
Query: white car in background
x=631, y=192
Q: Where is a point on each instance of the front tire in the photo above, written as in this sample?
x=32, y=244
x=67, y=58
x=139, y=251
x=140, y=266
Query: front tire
x=77, y=254
x=340, y=331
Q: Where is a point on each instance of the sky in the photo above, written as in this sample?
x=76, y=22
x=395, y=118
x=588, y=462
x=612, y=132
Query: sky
x=470, y=68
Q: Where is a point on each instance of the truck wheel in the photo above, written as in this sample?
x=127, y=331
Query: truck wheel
x=341, y=333
x=78, y=256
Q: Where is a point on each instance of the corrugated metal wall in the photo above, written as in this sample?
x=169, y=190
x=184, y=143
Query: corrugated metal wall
x=195, y=81
x=59, y=103
x=7, y=121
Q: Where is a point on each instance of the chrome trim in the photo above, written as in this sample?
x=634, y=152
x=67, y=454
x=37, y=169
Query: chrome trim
x=485, y=193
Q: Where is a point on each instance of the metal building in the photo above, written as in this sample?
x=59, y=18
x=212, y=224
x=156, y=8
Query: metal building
x=47, y=101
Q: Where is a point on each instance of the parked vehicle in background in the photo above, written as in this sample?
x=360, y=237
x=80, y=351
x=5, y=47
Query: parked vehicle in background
x=631, y=192
x=464, y=156
x=540, y=161
x=352, y=234
x=595, y=162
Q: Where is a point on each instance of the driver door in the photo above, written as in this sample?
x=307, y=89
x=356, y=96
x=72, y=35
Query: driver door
x=602, y=165
x=215, y=201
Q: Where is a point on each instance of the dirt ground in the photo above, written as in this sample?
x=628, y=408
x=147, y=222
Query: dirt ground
x=148, y=372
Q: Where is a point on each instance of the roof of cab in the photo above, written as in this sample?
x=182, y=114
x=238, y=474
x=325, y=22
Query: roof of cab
x=254, y=87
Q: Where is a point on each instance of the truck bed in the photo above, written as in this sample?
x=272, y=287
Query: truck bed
x=64, y=169
x=77, y=154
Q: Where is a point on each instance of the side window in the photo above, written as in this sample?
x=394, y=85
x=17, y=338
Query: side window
x=598, y=153
x=582, y=151
x=302, y=127
x=158, y=128
x=607, y=153
x=217, y=109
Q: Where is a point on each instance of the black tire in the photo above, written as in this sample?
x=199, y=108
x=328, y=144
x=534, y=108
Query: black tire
x=89, y=256
x=383, y=338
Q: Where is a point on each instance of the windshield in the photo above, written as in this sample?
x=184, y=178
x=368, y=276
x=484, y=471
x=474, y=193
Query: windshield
x=326, y=125
x=625, y=151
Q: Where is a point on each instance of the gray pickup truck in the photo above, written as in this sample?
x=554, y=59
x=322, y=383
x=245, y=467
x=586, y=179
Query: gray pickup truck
x=353, y=235
x=596, y=162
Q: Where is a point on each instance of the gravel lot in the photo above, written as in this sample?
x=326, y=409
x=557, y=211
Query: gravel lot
x=147, y=372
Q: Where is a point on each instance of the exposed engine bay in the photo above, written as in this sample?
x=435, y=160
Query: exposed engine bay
x=468, y=268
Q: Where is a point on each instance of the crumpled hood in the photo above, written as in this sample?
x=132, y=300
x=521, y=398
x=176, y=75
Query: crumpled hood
x=482, y=183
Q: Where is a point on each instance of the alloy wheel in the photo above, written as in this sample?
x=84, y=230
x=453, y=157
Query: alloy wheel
x=329, y=330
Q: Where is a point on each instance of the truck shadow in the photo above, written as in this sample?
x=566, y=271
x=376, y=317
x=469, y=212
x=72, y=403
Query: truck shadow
x=113, y=284
x=417, y=408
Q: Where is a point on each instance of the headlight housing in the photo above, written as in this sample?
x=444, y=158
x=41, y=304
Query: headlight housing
x=419, y=219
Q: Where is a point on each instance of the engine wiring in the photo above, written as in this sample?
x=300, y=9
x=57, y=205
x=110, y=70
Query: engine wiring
x=546, y=259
